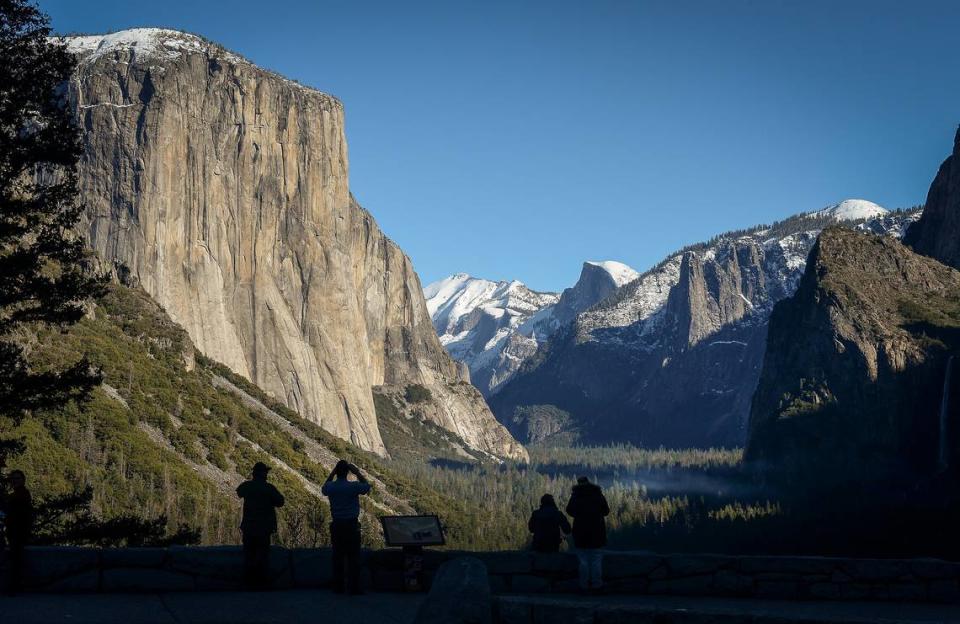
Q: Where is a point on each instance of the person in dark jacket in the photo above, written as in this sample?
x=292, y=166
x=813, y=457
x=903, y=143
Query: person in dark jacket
x=588, y=508
x=548, y=525
x=344, y=496
x=18, y=510
x=260, y=502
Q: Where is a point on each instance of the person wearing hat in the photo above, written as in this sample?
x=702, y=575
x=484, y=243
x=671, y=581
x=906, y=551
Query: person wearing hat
x=588, y=507
x=344, y=498
x=260, y=502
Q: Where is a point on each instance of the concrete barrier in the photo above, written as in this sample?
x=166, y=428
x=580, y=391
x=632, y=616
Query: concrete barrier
x=68, y=569
x=460, y=594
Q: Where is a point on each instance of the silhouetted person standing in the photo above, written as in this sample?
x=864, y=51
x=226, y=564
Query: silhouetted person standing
x=588, y=507
x=260, y=502
x=344, y=498
x=18, y=509
x=548, y=525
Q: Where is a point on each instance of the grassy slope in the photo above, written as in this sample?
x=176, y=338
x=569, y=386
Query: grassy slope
x=161, y=437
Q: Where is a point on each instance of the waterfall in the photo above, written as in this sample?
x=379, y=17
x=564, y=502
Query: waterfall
x=944, y=456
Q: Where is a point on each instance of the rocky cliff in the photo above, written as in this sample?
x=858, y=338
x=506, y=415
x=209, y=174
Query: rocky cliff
x=937, y=233
x=223, y=189
x=597, y=281
x=673, y=357
x=855, y=383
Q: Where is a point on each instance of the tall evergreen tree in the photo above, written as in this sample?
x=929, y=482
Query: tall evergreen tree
x=43, y=274
x=45, y=279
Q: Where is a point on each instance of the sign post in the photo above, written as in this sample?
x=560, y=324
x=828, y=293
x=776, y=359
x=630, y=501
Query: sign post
x=412, y=533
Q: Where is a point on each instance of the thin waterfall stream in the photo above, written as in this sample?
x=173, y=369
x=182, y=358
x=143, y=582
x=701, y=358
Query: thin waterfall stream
x=944, y=455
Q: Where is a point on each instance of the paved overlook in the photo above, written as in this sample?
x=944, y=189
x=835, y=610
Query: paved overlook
x=200, y=585
x=389, y=608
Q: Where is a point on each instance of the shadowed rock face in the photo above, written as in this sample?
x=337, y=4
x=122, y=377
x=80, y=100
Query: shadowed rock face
x=224, y=189
x=937, y=233
x=853, y=374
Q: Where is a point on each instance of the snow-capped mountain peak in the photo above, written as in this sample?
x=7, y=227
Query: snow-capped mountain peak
x=621, y=273
x=490, y=326
x=494, y=326
x=451, y=299
x=852, y=210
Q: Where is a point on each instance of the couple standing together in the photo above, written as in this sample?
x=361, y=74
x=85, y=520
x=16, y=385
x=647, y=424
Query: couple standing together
x=260, y=502
x=588, y=507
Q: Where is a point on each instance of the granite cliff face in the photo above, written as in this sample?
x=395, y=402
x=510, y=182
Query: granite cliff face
x=673, y=357
x=855, y=383
x=223, y=189
x=597, y=281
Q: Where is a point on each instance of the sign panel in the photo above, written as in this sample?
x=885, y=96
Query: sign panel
x=412, y=530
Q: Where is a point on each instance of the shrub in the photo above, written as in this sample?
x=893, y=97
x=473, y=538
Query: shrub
x=416, y=393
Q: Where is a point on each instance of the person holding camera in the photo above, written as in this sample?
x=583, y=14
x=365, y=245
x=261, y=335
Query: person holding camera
x=344, y=496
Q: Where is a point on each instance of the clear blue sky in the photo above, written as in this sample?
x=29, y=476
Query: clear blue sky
x=515, y=139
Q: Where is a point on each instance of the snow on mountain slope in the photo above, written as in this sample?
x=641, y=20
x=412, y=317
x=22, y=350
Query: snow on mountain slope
x=494, y=326
x=154, y=46
x=479, y=323
x=852, y=210
x=785, y=246
x=621, y=273
x=451, y=300
x=143, y=42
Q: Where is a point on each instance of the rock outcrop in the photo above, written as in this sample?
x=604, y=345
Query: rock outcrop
x=855, y=383
x=597, y=281
x=223, y=189
x=937, y=232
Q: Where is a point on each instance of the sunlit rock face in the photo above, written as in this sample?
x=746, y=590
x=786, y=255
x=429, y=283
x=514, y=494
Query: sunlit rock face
x=223, y=188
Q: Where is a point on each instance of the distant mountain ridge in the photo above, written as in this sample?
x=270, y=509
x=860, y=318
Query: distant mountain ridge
x=673, y=356
x=492, y=327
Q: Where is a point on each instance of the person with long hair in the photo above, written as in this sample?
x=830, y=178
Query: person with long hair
x=549, y=526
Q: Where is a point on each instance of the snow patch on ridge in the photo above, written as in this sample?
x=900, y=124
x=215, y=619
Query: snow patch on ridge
x=852, y=210
x=159, y=44
x=621, y=273
x=145, y=42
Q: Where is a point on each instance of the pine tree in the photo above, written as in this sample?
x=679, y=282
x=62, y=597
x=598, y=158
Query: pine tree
x=43, y=272
x=44, y=277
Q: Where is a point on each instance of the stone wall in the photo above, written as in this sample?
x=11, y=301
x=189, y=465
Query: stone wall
x=219, y=568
